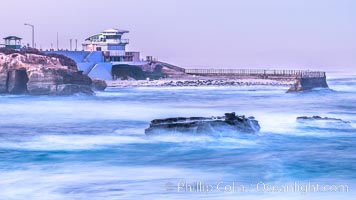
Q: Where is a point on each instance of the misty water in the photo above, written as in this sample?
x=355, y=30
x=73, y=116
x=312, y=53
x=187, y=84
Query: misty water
x=84, y=147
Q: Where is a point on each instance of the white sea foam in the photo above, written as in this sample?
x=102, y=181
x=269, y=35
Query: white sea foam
x=91, y=181
x=95, y=147
x=96, y=181
x=72, y=142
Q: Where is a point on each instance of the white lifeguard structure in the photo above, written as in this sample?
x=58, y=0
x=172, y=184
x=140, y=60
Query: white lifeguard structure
x=101, y=52
x=111, y=44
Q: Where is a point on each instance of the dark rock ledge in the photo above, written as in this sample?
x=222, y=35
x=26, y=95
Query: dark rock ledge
x=230, y=123
x=321, y=119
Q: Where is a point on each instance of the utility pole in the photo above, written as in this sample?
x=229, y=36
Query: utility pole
x=57, y=42
x=76, y=44
x=70, y=47
x=33, y=34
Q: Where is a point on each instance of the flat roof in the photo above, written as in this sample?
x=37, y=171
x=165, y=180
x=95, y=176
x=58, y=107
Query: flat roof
x=88, y=38
x=11, y=37
x=114, y=30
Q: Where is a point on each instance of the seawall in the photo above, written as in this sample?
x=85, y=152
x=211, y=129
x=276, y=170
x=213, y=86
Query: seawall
x=93, y=65
x=303, y=79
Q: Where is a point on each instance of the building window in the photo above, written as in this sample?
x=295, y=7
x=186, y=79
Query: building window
x=116, y=47
x=112, y=37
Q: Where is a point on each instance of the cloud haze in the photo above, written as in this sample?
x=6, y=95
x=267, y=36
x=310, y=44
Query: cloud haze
x=317, y=34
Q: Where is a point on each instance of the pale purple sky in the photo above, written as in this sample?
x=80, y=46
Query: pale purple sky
x=315, y=34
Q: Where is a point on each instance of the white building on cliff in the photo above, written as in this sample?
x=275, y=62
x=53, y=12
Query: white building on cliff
x=101, y=52
x=112, y=45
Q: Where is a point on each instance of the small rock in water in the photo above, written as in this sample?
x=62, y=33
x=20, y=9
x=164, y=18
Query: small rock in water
x=322, y=122
x=204, y=125
x=98, y=85
x=321, y=118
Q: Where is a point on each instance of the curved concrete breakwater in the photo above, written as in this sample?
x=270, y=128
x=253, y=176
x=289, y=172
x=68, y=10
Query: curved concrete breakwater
x=197, y=83
x=230, y=123
x=297, y=80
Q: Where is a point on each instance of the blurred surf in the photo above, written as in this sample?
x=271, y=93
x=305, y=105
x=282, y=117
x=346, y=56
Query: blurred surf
x=95, y=148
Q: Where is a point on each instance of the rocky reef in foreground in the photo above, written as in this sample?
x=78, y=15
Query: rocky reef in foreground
x=230, y=123
x=31, y=72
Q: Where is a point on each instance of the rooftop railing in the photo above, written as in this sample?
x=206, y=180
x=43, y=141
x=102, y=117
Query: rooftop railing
x=125, y=41
x=122, y=41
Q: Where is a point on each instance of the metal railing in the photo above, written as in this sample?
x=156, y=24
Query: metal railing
x=103, y=42
x=124, y=41
x=254, y=72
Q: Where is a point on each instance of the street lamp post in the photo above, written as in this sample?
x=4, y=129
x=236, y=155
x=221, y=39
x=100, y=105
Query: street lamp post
x=33, y=34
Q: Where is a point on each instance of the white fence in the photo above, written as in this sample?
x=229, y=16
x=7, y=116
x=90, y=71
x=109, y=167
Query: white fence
x=255, y=72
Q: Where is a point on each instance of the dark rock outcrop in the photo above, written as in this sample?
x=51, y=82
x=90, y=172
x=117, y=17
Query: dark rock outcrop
x=323, y=122
x=69, y=89
x=98, y=85
x=57, y=82
x=308, y=83
x=3, y=80
x=124, y=72
x=37, y=74
x=230, y=123
x=318, y=118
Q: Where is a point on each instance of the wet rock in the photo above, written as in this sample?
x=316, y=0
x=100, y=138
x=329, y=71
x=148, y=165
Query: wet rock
x=98, y=85
x=308, y=83
x=69, y=89
x=57, y=82
x=322, y=122
x=3, y=79
x=230, y=123
x=320, y=118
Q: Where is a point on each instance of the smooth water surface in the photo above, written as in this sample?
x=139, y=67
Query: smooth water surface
x=94, y=147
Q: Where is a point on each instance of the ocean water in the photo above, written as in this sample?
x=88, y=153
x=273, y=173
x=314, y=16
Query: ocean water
x=84, y=147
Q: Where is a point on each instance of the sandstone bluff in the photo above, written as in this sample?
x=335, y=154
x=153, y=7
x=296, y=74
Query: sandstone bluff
x=30, y=72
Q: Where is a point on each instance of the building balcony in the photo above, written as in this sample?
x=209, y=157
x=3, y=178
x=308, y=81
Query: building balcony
x=105, y=42
x=124, y=41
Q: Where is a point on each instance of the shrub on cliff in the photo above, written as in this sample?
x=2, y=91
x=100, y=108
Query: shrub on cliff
x=64, y=60
x=23, y=51
x=29, y=50
x=8, y=51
